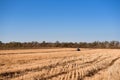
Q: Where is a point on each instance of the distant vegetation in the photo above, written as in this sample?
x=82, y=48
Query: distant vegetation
x=57, y=44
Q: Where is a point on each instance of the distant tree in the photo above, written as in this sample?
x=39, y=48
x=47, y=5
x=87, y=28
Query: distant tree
x=112, y=44
x=106, y=43
x=95, y=44
x=116, y=44
x=35, y=44
x=57, y=44
x=1, y=44
x=43, y=44
x=83, y=44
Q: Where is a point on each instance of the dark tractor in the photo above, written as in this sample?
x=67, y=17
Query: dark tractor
x=78, y=49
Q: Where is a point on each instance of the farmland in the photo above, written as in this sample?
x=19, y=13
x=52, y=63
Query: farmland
x=60, y=64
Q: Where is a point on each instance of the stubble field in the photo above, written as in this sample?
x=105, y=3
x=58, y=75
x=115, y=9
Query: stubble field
x=60, y=64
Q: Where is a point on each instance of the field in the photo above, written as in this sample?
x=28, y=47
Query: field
x=60, y=64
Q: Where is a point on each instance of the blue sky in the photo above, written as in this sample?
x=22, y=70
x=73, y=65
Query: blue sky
x=62, y=20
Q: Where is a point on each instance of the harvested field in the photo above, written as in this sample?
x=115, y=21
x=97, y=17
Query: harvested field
x=60, y=64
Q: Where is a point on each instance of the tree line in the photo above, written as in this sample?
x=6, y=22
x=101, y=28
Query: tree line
x=57, y=44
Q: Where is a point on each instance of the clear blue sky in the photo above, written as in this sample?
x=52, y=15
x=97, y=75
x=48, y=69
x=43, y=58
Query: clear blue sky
x=62, y=20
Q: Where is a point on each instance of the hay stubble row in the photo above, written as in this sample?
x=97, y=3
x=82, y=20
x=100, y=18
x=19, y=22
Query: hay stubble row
x=60, y=64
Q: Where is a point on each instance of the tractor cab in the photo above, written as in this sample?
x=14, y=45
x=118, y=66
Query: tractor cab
x=78, y=49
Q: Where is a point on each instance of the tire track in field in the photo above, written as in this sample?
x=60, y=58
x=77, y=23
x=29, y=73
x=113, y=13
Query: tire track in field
x=60, y=73
x=110, y=73
x=94, y=71
x=89, y=73
x=48, y=67
x=97, y=61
